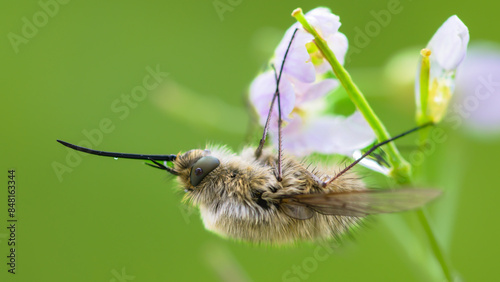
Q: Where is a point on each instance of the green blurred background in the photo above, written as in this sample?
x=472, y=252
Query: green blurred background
x=103, y=219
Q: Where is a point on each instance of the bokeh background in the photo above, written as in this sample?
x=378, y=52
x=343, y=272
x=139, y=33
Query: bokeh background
x=86, y=218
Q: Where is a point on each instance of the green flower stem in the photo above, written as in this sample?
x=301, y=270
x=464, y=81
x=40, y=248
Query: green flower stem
x=422, y=111
x=436, y=248
x=422, y=116
x=401, y=169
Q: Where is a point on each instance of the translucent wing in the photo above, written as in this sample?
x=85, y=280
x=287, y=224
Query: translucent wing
x=297, y=211
x=358, y=203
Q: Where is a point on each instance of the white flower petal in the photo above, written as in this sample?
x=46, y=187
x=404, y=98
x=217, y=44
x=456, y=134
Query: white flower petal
x=370, y=163
x=339, y=44
x=449, y=43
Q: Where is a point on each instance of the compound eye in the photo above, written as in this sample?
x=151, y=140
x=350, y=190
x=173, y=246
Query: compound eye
x=202, y=167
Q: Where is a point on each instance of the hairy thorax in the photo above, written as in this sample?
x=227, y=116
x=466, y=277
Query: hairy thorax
x=242, y=198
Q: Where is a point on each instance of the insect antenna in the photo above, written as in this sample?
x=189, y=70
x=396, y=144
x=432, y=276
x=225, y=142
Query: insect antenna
x=153, y=158
x=376, y=146
x=258, y=151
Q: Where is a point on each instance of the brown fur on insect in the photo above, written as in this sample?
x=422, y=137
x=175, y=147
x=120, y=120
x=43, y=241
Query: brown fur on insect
x=242, y=199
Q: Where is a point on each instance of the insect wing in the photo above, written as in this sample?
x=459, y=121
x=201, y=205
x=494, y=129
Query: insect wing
x=362, y=203
x=297, y=211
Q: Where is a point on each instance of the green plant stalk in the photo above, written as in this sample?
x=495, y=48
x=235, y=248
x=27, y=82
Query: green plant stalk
x=401, y=169
x=436, y=248
x=422, y=114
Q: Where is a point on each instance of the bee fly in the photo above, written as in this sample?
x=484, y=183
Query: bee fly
x=262, y=197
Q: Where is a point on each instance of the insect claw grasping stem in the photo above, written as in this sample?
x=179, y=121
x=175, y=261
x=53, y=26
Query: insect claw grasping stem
x=376, y=146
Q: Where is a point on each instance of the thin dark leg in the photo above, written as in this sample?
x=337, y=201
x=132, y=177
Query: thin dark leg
x=162, y=167
x=280, y=149
x=258, y=151
x=376, y=146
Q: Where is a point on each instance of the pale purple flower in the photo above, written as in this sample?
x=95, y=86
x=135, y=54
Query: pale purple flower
x=261, y=94
x=326, y=134
x=293, y=94
x=304, y=64
x=306, y=127
x=298, y=62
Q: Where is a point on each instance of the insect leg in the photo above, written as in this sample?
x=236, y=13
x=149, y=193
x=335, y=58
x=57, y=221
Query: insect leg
x=376, y=146
x=162, y=166
x=280, y=121
x=258, y=151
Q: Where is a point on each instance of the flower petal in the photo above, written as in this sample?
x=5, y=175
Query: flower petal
x=262, y=91
x=339, y=43
x=350, y=134
x=478, y=90
x=370, y=163
x=298, y=62
x=323, y=20
x=449, y=43
x=326, y=134
x=306, y=92
x=294, y=140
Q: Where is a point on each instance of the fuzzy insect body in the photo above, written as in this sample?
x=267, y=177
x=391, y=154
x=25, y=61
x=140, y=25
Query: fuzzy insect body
x=242, y=199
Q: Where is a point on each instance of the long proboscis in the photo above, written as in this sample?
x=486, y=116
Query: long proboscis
x=167, y=158
x=153, y=158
